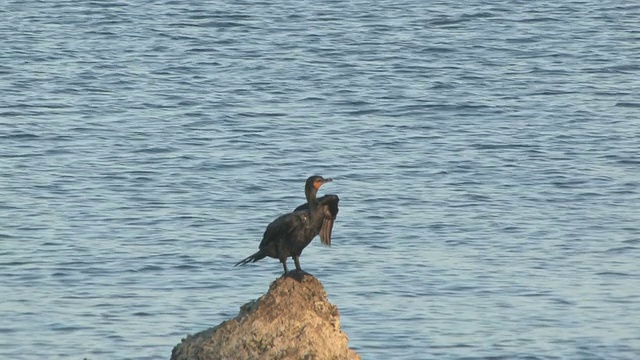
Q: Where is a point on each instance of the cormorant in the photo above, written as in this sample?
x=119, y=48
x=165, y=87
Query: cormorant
x=290, y=233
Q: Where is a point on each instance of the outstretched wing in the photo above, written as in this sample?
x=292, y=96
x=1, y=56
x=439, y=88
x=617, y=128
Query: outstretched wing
x=329, y=207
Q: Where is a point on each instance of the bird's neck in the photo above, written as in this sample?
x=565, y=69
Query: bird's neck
x=311, y=194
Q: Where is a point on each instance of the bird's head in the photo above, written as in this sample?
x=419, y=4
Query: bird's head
x=315, y=182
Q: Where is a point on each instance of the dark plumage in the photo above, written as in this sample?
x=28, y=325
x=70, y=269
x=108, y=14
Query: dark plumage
x=329, y=206
x=290, y=233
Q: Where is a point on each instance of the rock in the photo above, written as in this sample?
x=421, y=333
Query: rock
x=293, y=320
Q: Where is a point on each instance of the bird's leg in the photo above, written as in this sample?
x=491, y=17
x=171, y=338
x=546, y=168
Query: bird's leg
x=283, y=259
x=295, y=259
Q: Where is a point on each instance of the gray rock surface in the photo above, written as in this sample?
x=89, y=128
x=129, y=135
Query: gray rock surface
x=293, y=320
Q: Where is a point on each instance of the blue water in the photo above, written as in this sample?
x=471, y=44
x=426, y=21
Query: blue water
x=487, y=157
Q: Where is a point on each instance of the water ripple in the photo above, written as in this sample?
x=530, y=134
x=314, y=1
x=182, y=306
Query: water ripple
x=485, y=156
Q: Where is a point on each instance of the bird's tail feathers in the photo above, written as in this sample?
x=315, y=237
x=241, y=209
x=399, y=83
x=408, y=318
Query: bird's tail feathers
x=253, y=258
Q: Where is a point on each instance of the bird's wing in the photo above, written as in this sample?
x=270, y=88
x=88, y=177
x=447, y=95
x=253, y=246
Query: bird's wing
x=282, y=226
x=329, y=207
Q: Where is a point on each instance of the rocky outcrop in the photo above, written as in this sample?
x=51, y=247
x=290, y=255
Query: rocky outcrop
x=293, y=320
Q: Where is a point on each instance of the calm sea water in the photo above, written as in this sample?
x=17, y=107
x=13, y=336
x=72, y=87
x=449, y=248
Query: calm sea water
x=487, y=155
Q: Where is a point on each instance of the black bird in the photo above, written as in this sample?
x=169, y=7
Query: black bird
x=290, y=233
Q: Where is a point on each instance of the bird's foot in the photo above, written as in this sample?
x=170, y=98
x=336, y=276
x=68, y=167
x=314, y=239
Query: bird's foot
x=296, y=274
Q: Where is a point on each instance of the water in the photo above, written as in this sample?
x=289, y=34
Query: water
x=486, y=156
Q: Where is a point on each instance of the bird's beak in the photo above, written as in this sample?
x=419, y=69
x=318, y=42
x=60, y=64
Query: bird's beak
x=319, y=182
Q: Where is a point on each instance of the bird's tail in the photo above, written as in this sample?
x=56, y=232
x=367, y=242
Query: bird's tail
x=253, y=258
